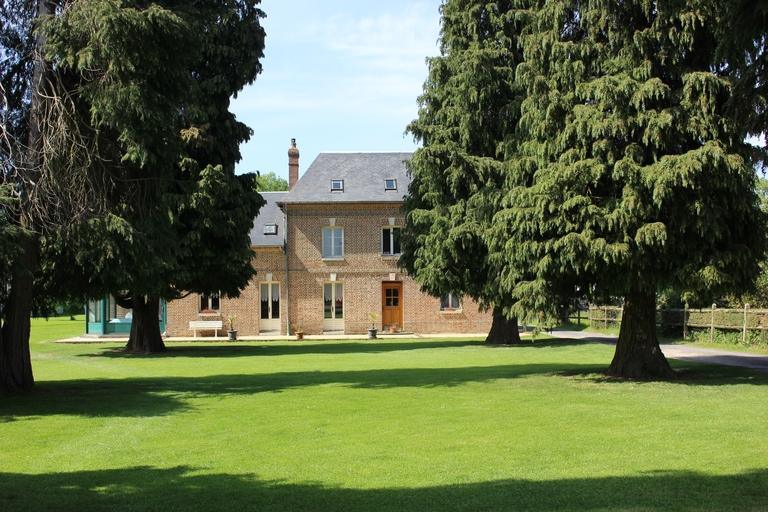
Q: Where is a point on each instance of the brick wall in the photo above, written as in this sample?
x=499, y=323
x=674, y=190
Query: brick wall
x=246, y=307
x=362, y=272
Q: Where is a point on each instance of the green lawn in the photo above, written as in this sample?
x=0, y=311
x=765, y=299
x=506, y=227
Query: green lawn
x=377, y=426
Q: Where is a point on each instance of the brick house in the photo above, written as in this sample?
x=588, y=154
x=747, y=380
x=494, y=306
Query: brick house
x=326, y=259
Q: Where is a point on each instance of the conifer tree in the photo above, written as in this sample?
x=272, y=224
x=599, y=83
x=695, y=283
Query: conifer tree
x=154, y=82
x=742, y=44
x=467, y=113
x=122, y=172
x=22, y=75
x=631, y=174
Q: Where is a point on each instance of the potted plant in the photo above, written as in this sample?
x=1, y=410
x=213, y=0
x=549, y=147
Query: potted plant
x=298, y=331
x=372, y=329
x=232, y=332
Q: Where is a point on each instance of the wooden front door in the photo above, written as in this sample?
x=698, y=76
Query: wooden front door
x=392, y=306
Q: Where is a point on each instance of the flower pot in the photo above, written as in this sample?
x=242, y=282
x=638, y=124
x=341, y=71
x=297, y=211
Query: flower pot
x=372, y=333
x=232, y=335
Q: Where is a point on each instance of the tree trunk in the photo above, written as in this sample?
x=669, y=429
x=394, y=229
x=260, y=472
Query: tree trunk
x=145, y=326
x=15, y=360
x=503, y=330
x=638, y=355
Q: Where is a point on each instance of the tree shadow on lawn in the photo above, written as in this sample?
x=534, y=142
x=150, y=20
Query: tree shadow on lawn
x=186, y=489
x=281, y=348
x=554, y=342
x=156, y=396
x=689, y=373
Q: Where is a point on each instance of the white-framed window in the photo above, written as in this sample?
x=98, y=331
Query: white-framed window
x=390, y=184
x=450, y=302
x=333, y=242
x=210, y=302
x=337, y=185
x=270, y=229
x=390, y=241
x=333, y=300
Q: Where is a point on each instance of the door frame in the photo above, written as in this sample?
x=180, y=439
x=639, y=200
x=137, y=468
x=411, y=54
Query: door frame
x=335, y=323
x=271, y=324
x=399, y=286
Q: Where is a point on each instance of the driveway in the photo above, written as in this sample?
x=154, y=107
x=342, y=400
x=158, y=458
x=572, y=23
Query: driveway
x=683, y=352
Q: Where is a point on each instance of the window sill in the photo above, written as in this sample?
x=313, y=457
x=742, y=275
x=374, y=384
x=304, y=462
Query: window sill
x=390, y=256
x=208, y=313
x=333, y=258
x=451, y=311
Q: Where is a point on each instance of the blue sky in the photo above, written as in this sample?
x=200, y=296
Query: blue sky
x=338, y=75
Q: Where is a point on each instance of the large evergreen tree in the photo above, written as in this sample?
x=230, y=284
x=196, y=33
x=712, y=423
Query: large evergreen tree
x=122, y=171
x=742, y=41
x=467, y=114
x=155, y=83
x=637, y=177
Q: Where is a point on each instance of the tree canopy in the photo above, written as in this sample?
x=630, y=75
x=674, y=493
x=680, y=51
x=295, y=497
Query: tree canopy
x=271, y=182
x=467, y=115
x=118, y=157
x=631, y=173
x=154, y=85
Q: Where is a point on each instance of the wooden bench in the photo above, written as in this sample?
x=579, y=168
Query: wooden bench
x=206, y=325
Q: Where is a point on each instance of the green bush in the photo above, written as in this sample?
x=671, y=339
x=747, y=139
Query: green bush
x=754, y=338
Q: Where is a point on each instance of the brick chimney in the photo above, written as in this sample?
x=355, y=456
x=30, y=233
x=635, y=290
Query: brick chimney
x=293, y=165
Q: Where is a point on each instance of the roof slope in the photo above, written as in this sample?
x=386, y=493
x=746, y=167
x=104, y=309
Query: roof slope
x=270, y=213
x=363, y=175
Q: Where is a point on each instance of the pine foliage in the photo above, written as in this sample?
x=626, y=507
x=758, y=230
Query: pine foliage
x=467, y=114
x=631, y=173
x=153, y=83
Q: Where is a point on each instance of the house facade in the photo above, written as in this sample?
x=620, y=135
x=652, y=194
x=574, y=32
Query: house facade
x=326, y=256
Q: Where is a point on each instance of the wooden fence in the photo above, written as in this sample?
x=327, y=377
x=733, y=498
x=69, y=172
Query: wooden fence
x=712, y=319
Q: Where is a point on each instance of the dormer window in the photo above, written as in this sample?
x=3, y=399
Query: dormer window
x=390, y=184
x=270, y=229
x=337, y=185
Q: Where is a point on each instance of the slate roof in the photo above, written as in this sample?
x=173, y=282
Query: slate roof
x=270, y=213
x=363, y=175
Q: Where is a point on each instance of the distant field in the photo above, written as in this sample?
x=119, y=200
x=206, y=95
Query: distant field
x=427, y=425
x=56, y=328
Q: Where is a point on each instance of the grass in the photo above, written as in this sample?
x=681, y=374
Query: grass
x=719, y=345
x=583, y=323
x=441, y=425
x=56, y=328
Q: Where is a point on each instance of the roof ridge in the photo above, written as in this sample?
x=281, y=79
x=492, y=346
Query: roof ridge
x=342, y=152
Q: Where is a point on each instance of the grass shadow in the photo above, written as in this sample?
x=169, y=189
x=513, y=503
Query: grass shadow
x=688, y=373
x=573, y=326
x=551, y=342
x=190, y=489
x=224, y=350
x=155, y=396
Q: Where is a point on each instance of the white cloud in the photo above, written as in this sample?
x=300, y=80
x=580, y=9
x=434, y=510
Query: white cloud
x=344, y=74
x=389, y=41
x=369, y=65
